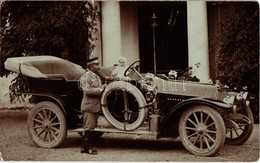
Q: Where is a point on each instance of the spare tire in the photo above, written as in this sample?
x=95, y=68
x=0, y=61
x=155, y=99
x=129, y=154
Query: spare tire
x=118, y=96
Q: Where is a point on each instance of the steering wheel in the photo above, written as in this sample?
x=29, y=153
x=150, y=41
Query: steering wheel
x=134, y=67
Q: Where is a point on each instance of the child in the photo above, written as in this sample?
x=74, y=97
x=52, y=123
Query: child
x=120, y=69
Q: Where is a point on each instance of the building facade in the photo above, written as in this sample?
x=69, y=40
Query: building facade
x=179, y=40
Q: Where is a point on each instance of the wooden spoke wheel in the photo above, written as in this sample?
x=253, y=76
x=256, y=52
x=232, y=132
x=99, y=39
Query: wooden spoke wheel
x=202, y=130
x=47, y=125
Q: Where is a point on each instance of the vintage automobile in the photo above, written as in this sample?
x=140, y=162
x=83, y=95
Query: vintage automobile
x=204, y=116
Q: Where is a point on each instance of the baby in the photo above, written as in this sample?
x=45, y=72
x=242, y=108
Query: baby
x=120, y=69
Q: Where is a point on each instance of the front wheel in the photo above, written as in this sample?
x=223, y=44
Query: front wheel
x=47, y=125
x=242, y=134
x=202, y=130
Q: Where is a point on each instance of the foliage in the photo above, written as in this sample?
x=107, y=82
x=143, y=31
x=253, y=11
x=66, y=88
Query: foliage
x=47, y=28
x=17, y=84
x=238, y=42
x=238, y=47
x=187, y=75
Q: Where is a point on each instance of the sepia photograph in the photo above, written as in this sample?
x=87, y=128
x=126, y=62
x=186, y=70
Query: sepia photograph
x=129, y=81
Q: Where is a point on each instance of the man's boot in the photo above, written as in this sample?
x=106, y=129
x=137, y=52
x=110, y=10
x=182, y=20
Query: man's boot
x=89, y=137
x=83, y=143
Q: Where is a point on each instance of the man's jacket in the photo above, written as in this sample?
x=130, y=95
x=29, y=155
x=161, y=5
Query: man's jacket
x=91, y=86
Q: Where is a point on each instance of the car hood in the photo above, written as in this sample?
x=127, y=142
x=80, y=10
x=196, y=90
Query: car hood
x=187, y=88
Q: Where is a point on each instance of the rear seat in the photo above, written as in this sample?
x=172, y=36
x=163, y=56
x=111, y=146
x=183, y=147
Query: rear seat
x=58, y=69
x=56, y=76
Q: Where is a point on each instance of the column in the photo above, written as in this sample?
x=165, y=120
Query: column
x=198, y=39
x=111, y=32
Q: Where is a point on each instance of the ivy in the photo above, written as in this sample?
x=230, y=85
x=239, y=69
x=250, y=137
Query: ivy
x=238, y=46
x=237, y=42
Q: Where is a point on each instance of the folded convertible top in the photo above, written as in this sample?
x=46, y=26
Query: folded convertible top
x=43, y=66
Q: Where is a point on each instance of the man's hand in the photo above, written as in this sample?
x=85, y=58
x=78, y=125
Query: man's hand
x=110, y=79
x=117, y=79
x=103, y=87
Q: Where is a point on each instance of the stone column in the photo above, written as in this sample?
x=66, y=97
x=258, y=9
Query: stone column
x=111, y=32
x=198, y=39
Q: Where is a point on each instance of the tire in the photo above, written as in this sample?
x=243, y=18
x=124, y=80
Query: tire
x=47, y=125
x=113, y=116
x=241, y=135
x=202, y=130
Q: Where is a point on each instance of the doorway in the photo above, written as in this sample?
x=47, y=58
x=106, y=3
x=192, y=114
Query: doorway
x=171, y=40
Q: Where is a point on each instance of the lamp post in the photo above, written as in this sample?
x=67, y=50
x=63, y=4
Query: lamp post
x=154, y=24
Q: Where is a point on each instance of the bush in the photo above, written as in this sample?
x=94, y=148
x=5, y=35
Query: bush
x=238, y=49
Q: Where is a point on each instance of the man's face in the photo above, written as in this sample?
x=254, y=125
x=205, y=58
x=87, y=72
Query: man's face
x=94, y=67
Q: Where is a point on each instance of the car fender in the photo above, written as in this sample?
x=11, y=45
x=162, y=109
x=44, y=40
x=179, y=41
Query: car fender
x=47, y=97
x=170, y=122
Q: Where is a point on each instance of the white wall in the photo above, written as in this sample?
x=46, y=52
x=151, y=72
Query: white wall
x=129, y=32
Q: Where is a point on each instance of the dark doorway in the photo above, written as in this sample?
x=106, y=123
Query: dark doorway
x=171, y=41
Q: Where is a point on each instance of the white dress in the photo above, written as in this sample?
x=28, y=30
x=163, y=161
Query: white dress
x=119, y=71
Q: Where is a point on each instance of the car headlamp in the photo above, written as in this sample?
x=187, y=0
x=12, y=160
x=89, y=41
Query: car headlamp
x=245, y=95
x=242, y=95
x=239, y=97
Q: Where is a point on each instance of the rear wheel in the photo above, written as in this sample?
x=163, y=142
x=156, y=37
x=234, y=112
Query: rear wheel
x=47, y=125
x=202, y=130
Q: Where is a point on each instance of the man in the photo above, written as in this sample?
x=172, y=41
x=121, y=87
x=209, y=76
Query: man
x=90, y=105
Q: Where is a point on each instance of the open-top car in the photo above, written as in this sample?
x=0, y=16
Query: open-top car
x=204, y=116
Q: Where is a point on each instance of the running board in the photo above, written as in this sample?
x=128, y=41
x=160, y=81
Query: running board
x=113, y=130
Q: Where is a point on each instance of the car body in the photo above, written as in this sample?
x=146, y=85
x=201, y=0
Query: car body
x=205, y=116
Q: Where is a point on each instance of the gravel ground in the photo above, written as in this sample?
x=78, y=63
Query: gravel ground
x=15, y=145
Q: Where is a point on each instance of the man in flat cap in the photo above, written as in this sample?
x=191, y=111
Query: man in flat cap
x=90, y=106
